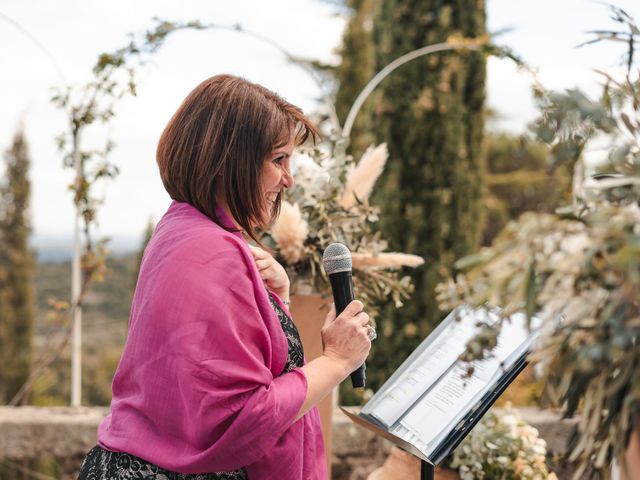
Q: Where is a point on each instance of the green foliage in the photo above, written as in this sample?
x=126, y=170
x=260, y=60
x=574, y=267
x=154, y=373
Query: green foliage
x=98, y=367
x=579, y=269
x=430, y=112
x=355, y=70
x=518, y=179
x=16, y=270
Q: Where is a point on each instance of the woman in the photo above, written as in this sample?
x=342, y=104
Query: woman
x=212, y=383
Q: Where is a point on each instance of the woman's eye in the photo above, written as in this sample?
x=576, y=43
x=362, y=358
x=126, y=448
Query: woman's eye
x=278, y=160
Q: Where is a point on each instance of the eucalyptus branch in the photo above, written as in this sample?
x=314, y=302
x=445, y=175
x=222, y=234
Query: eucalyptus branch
x=628, y=36
x=579, y=272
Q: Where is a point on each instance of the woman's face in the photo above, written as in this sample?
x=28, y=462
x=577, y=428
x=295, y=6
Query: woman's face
x=276, y=176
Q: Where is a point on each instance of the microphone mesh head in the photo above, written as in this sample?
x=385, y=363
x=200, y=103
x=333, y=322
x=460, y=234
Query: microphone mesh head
x=336, y=258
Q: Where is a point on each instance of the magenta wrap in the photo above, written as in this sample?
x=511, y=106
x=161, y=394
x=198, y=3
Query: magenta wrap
x=199, y=387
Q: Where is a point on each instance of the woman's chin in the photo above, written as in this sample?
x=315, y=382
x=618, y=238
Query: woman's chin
x=268, y=218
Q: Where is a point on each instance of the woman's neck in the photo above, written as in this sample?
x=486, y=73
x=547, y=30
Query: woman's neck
x=223, y=207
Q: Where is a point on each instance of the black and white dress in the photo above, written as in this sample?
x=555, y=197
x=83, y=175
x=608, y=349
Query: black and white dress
x=101, y=464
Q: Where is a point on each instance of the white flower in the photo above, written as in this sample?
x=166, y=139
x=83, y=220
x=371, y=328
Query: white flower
x=491, y=445
x=302, y=162
x=539, y=449
x=510, y=421
x=527, y=431
x=575, y=243
x=309, y=174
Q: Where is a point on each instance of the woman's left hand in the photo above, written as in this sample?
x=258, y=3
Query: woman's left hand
x=273, y=274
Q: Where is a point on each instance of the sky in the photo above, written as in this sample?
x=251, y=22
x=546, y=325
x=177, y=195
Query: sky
x=73, y=32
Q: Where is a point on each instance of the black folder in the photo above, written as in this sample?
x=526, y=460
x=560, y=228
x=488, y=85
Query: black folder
x=464, y=418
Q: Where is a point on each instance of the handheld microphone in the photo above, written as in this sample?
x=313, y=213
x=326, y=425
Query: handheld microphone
x=337, y=263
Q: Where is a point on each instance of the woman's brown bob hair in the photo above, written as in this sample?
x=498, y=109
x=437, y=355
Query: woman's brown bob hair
x=219, y=138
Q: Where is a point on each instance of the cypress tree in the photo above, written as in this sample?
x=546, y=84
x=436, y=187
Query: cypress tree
x=355, y=70
x=430, y=112
x=16, y=270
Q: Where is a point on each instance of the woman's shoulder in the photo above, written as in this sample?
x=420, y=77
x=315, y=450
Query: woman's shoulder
x=186, y=232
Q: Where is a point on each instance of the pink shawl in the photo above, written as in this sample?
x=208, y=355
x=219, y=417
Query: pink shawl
x=199, y=387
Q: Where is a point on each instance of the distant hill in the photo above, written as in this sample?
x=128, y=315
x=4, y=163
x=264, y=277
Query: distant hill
x=109, y=300
x=59, y=248
x=104, y=327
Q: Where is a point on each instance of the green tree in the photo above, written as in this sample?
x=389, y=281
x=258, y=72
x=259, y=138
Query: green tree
x=16, y=270
x=430, y=113
x=519, y=180
x=355, y=70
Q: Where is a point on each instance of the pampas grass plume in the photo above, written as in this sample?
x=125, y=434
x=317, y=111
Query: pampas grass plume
x=362, y=178
x=364, y=261
x=290, y=231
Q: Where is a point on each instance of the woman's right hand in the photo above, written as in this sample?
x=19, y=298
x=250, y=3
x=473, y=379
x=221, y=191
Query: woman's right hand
x=346, y=344
x=345, y=337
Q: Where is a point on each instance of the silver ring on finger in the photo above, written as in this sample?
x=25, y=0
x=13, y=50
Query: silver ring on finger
x=371, y=333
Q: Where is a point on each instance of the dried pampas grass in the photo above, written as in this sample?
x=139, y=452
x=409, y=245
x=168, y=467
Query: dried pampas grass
x=290, y=231
x=362, y=178
x=367, y=261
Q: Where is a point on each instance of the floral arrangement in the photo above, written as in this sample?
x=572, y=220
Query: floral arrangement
x=330, y=203
x=502, y=446
x=579, y=269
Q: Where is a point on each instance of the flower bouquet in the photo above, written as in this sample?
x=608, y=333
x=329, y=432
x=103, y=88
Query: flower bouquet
x=502, y=446
x=330, y=203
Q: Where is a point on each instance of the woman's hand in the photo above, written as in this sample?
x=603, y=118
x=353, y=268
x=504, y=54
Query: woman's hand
x=273, y=274
x=346, y=344
x=345, y=337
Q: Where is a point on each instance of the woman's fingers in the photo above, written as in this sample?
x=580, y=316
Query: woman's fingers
x=267, y=271
x=354, y=312
x=331, y=316
x=263, y=264
x=258, y=253
x=353, y=309
x=362, y=318
x=347, y=338
x=354, y=315
x=273, y=274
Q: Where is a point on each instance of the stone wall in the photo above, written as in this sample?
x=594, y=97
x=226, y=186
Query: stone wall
x=66, y=434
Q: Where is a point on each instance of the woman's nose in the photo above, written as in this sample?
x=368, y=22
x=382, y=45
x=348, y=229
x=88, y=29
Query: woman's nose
x=287, y=178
